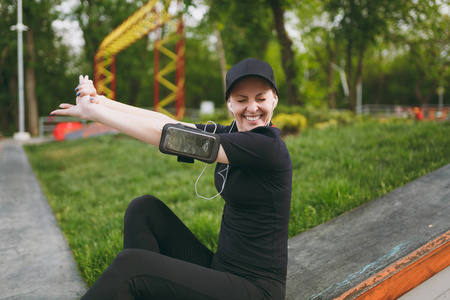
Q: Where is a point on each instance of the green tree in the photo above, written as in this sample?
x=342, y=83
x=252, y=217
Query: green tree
x=290, y=66
x=8, y=67
x=246, y=27
x=429, y=47
x=410, y=60
x=39, y=42
x=358, y=22
x=322, y=52
x=203, y=71
x=45, y=62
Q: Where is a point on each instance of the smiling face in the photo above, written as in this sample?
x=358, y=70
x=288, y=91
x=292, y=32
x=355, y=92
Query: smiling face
x=252, y=101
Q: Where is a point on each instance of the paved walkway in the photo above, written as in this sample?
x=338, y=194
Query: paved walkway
x=35, y=260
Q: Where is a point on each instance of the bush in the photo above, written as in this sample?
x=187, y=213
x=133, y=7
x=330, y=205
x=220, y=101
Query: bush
x=290, y=123
x=326, y=124
x=344, y=117
x=321, y=115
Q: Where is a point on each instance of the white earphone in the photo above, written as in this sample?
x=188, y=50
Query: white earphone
x=230, y=108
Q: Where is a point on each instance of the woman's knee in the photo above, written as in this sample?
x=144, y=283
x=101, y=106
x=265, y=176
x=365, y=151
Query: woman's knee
x=134, y=262
x=126, y=258
x=142, y=205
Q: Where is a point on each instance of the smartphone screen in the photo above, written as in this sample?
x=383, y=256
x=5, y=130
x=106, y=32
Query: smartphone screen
x=186, y=142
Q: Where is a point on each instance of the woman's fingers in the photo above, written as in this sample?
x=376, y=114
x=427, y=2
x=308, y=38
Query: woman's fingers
x=65, y=105
x=86, y=87
x=64, y=111
x=86, y=90
x=61, y=112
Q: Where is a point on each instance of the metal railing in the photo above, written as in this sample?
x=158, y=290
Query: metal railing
x=435, y=112
x=48, y=124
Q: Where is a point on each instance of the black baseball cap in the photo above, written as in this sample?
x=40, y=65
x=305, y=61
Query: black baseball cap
x=246, y=68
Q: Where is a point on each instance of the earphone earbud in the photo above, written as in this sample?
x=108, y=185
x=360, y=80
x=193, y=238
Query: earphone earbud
x=275, y=102
x=229, y=106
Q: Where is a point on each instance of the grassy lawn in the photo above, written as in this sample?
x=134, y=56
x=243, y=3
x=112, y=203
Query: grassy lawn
x=89, y=183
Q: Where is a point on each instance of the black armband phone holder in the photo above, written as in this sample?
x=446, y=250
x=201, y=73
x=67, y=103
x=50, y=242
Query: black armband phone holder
x=189, y=143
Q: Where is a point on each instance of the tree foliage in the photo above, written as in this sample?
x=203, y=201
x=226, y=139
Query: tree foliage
x=46, y=63
x=353, y=33
x=246, y=29
x=398, y=51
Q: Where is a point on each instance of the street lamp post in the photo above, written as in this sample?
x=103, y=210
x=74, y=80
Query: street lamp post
x=21, y=135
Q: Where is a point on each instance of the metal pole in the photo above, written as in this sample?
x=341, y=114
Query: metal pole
x=20, y=57
x=21, y=135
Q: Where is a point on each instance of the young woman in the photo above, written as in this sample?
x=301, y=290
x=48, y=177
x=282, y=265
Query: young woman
x=161, y=258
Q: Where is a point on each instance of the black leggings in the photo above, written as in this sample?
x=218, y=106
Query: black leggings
x=162, y=259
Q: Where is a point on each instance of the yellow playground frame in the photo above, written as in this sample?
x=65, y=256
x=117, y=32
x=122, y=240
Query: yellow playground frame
x=149, y=18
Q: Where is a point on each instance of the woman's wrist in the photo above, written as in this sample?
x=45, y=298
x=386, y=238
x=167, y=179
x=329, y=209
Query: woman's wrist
x=94, y=111
x=101, y=99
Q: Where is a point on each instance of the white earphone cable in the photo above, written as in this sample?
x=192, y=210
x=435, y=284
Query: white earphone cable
x=224, y=177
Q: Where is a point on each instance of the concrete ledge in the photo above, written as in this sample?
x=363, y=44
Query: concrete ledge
x=406, y=273
x=332, y=259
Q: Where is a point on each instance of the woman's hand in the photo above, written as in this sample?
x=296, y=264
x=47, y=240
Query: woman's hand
x=86, y=88
x=84, y=101
x=80, y=110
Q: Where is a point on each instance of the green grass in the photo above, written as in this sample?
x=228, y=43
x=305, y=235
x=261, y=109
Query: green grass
x=89, y=183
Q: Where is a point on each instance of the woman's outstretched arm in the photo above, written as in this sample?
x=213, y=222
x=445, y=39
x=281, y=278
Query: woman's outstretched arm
x=86, y=87
x=142, y=124
x=145, y=125
x=143, y=128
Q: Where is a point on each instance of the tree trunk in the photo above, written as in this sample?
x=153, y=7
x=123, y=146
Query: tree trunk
x=332, y=54
x=2, y=59
x=359, y=72
x=92, y=42
x=287, y=53
x=354, y=80
x=380, y=80
x=136, y=83
x=350, y=82
x=3, y=111
x=379, y=88
x=326, y=64
x=10, y=111
x=4, y=116
x=423, y=100
x=30, y=87
x=223, y=62
x=135, y=86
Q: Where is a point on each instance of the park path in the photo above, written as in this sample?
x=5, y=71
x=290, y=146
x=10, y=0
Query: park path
x=35, y=260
